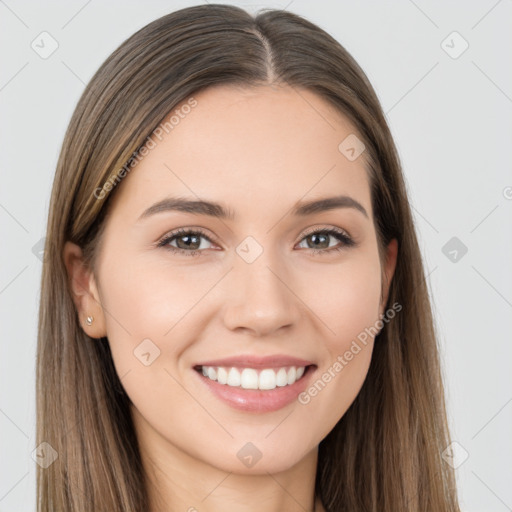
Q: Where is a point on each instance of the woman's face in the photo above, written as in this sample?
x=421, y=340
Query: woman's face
x=256, y=290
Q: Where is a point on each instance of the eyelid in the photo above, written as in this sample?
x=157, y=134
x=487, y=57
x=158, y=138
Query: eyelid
x=343, y=236
x=213, y=238
x=173, y=233
x=326, y=227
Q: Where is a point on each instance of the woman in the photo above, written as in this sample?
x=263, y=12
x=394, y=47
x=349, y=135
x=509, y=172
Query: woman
x=234, y=313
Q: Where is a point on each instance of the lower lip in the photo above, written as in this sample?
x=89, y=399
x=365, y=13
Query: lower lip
x=257, y=400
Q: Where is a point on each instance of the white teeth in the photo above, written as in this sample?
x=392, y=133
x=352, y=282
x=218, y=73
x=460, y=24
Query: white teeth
x=234, y=378
x=249, y=378
x=222, y=375
x=267, y=379
x=282, y=377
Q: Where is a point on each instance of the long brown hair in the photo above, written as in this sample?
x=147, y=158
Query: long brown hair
x=384, y=455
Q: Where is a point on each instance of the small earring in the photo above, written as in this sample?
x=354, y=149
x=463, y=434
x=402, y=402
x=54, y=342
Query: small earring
x=89, y=320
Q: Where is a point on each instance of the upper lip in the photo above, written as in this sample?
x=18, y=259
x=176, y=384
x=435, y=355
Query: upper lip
x=251, y=361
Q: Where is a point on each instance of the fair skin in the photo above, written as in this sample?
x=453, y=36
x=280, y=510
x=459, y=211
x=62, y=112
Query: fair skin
x=257, y=152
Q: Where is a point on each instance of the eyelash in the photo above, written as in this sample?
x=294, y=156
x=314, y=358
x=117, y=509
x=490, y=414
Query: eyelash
x=339, y=234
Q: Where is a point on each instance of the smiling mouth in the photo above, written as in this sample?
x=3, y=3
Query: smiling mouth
x=252, y=378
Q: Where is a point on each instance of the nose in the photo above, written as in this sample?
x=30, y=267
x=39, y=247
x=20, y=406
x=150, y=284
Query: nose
x=260, y=297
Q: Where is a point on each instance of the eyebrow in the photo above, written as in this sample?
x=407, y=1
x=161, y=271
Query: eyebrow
x=201, y=207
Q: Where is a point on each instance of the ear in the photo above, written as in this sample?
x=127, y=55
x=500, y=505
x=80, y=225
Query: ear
x=84, y=291
x=388, y=271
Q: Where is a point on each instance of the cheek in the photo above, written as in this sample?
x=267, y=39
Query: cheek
x=153, y=313
x=140, y=307
x=150, y=319
x=345, y=297
x=143, y=300
x=347, y=303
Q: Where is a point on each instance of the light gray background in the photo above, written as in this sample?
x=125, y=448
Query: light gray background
x=451, y=119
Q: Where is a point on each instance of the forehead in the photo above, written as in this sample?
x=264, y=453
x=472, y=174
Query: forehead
x=252, y=148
